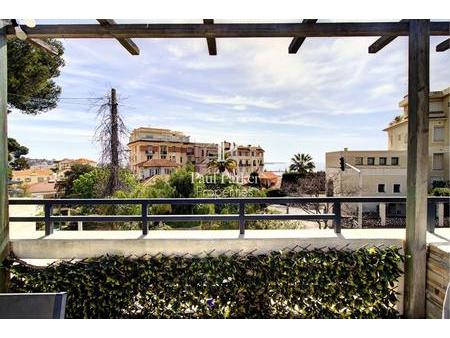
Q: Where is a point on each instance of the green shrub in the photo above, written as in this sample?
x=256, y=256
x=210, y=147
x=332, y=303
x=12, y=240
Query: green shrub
x=440, y=192
x=275, y=193
x=288, y=284
x=291, y=177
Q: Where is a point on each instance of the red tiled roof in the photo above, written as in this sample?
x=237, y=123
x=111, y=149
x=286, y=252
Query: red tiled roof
x=158, y=163
x=42, y=187
x=268, y=175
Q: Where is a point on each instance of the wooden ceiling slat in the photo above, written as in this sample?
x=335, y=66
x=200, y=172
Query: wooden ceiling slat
x=297, y=42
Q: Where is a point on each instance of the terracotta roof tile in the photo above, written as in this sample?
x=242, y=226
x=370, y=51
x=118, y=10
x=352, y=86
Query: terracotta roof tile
x=42, y=187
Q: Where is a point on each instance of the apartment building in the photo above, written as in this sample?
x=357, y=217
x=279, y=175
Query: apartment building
x=33, y=176
x=383, y=172
x=439, y=134
x=176, y=149
x=66, y=163
x=248, y=158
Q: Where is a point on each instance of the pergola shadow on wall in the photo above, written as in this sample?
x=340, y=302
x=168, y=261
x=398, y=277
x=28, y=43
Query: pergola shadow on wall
x=418, y=32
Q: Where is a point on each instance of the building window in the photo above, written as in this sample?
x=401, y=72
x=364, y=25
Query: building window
x=358, y=161
x=399, y=137
x=381, y=188
x=40, y=179
x=383, y=160
x=396, y=188
x=394, y=160
x=149, y=157
x=371, y=161
x=438, y=161
x=438, y=134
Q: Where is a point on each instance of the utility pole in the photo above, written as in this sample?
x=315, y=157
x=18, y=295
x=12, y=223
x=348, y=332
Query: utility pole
x=114, y=170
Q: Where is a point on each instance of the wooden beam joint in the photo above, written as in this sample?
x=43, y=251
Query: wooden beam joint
x=211, y=41
x=127, y=43
x=383, y=41
x=297, y=42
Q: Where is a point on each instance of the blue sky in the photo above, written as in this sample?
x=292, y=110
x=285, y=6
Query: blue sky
x=330, y=95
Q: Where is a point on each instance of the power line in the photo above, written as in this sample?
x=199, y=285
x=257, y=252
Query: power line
x=60, y=98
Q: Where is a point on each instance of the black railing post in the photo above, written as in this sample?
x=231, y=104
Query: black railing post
x=242, y=218
x=337, y=217
x=431, y=215
x=144, y=210
x=48, y=222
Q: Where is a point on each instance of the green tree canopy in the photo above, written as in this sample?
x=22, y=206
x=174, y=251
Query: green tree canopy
x=15, y=153
x=227, y=164
x=31, y=73
x=65, y=186
x=92, y=183
x=302, y=163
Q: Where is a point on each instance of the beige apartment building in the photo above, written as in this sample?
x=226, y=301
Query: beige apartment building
x=248, y=158
x=33, y=176
x=383, y=172
x=173, y=149
x=439, y=134
x=66, y=163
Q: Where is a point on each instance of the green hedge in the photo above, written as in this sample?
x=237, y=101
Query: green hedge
x=288, y=284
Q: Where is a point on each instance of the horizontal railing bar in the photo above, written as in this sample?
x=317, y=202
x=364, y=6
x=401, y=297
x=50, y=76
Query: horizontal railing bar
x=262, y=217
x=247, y=200
x=26, y=218
x=126, y=218
x=157, y=218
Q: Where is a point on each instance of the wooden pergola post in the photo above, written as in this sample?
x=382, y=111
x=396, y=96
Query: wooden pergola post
x=417, y=168
x=4, y=228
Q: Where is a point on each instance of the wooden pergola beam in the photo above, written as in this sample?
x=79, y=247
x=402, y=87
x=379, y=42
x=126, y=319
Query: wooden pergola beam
x=443, y=46
x=297, y=42
x=417, y=168
x=231, y=30
x=212, y=47
x=128, y=44
x=44, y=46
x=4, y=226
x=382, y=42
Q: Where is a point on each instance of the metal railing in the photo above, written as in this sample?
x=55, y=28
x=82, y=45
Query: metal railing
x=144, y=218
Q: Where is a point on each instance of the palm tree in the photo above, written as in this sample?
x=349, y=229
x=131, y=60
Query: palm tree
x=227, y=164
x=302, y=163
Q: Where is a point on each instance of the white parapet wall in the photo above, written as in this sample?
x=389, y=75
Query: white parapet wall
x=77, y=244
